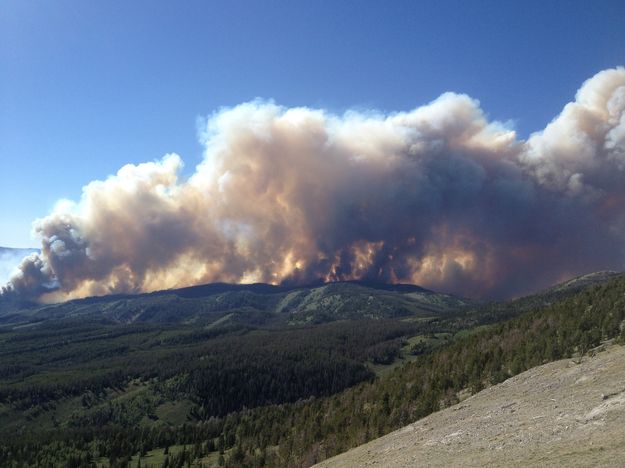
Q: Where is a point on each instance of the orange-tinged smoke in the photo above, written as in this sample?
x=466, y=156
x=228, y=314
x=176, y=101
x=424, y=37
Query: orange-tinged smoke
x=438, y=195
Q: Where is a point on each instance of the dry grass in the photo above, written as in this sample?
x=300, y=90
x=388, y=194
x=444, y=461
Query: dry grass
x=559, y=414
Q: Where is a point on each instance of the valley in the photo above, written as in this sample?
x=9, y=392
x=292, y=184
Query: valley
x=260, y=375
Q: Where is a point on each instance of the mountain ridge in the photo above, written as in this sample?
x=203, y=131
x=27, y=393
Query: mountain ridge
x=204, y=304
x=264, y=303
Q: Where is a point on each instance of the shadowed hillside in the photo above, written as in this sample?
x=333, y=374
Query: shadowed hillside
x=258, y=303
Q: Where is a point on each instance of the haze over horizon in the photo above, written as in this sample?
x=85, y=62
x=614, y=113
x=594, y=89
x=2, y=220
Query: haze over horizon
x=388, y=167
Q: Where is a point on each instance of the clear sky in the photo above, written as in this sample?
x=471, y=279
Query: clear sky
x=86, y=86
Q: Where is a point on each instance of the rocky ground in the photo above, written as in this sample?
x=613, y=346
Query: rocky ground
x=560, y=414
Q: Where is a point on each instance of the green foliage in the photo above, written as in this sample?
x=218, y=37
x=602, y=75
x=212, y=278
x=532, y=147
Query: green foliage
x=243, y=306
x=323, y=427
x=267, y=397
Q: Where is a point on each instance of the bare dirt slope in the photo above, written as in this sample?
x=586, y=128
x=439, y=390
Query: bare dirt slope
x=559, y=414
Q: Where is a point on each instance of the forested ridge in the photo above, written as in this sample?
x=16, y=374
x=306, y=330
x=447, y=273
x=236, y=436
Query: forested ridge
x=254, y=304
x=265, y=397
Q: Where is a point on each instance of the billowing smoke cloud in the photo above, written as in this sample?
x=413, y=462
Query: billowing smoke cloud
x=9, y=260
x=438, y=196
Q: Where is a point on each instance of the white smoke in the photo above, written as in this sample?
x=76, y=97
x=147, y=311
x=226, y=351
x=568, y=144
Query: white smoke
x=438, y=196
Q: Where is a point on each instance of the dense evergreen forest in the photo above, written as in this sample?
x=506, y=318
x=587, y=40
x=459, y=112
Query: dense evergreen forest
x=95, y=393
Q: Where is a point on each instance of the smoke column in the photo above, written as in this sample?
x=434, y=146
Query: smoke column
x=437, y=196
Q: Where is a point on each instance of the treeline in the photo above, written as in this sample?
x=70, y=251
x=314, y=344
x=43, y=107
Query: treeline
x=308, y=432
x=222, y=374
x=314, y=428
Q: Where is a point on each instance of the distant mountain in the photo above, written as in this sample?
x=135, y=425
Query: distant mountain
x=228, y=305
x=253, y=304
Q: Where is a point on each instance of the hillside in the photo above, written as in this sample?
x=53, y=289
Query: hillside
x=78, y=387
x=495, y=312
x=268, y=305
x=558, y=414
x=254, y=304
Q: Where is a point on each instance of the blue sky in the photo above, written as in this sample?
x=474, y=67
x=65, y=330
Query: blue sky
x=86, y=87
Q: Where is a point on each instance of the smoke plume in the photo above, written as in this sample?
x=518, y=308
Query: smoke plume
x=9, y=259
x=437, y=196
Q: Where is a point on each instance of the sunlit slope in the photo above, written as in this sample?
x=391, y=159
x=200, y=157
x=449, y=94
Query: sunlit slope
x=255, y=304
x=562, y=413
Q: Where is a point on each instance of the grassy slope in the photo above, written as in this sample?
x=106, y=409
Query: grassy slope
x=563, y=413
